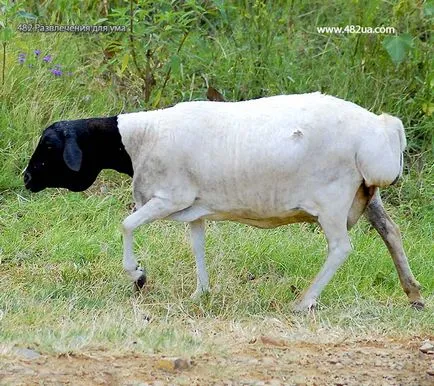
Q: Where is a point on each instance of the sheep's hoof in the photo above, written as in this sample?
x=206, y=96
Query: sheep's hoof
x=418, y=304
x=139, y=278
x=196, y=295
x=140, y=282
x=305, y=306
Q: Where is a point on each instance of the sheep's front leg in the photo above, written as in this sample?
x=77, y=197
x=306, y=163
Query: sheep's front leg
x=389, y=232
x=154, y=209
x=338, y=249
x=197, y=234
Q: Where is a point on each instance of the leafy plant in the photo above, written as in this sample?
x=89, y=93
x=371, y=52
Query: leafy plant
x=398, y=46
x=149, y=52
x=6, y=32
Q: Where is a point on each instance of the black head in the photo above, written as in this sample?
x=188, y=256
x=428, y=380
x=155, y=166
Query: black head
x=70, y=154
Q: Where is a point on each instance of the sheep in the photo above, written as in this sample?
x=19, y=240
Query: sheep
x=265, y=162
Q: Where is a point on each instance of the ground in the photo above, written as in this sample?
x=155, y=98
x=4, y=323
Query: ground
x=237, y=360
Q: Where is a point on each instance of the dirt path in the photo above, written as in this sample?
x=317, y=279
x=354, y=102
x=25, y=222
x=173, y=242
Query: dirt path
x=262, y=361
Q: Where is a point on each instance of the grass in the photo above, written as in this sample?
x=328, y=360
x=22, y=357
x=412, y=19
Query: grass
x=62, y=287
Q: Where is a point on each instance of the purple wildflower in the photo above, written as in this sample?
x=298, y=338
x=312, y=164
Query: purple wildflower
x=56, y=71
x=21, y=58
x=47, y=58
x=37, y=52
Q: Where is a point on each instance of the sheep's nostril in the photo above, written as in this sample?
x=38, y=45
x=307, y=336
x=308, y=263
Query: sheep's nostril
x=27, y=177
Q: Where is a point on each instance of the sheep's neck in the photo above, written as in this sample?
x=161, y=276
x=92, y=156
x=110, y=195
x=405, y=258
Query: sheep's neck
x=105, y=146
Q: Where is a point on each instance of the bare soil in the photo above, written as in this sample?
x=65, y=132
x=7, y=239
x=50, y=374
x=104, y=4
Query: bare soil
x=261, y=361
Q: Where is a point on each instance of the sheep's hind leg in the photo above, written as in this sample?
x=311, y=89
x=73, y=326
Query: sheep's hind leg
x=154, y=209
x=339, y=247
x=389, y=232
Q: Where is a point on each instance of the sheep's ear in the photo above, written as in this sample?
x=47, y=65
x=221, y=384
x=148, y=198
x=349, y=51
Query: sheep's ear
x=72, y=154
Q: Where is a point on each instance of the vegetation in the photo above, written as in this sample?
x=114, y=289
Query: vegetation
x=61, y=281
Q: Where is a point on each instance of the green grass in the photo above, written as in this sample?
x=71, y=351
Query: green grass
x=62, y=287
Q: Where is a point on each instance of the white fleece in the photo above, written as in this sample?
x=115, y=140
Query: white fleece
x=265, y=162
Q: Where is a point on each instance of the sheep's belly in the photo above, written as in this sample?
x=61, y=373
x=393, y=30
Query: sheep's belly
x=293, y=216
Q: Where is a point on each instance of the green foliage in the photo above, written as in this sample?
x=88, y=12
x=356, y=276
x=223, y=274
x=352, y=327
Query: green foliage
x=398, y=46
x=172, y=50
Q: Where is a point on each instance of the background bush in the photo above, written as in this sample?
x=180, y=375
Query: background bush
x=245, y=49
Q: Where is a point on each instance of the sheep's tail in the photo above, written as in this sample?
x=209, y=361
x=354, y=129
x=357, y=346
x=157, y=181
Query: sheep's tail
x=379, y=158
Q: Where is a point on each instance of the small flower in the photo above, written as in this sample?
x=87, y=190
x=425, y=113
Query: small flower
x=56, y=72
x=57, y=66
x=37, y=52
x=21, y=58
x=47, y=58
